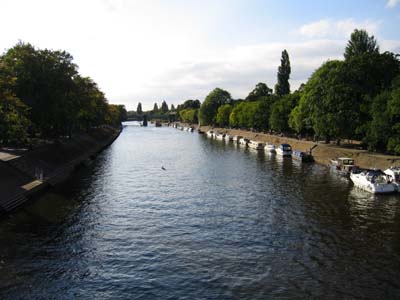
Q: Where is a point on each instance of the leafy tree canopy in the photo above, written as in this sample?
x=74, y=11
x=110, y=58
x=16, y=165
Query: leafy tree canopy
x=139, y=109
x=213, y=101
x=223, y=113
x=260, y=90
x=360, y=42
x=283, y=87
x=164, y=107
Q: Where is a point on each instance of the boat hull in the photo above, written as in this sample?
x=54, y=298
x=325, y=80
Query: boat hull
x=375, y=188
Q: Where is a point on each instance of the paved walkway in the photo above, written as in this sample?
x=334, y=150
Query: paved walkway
x=4, y=156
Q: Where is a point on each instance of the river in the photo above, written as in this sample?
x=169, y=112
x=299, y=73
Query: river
x=220, y=222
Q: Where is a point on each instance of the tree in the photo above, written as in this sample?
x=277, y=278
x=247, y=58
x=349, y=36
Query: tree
x=192, y=104
x=260, y=90
x=14, y=123
x=172, y=107
x=139, y=110
x=223, y=113
x=283, y=87
x=213, y=101
x=360, y=42
x=155, y=108
x=164, y=107
x=281, y=109
x=189, y=115
x=327, y=103
x=44, y=82
x=92, y=103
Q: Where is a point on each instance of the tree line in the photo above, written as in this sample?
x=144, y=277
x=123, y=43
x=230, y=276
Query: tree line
x=357, y=98
x=42, y=95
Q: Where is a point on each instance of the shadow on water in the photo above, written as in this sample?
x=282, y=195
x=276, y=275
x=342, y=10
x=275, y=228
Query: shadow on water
x=220, y=222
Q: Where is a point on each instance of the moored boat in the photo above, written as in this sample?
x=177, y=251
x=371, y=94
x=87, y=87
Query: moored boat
x=393, y=174
x=228, y=137
x=243, y=142
x=342, y=165
x=220, y=136
x=210, y=134
x=284, y=150
x=302, y=156
x=270, y=148
x=236, y=138
x=373, y=181
x=256, y=145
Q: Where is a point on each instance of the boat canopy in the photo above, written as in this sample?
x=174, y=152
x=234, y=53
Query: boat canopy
x=285, y=147
x=346, y=160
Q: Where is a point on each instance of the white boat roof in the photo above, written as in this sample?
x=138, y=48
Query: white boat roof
x=343, y=158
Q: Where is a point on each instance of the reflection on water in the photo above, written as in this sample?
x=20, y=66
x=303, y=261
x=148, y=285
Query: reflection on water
x=221, y=222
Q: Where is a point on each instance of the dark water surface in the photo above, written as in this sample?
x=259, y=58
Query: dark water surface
x=221, y=222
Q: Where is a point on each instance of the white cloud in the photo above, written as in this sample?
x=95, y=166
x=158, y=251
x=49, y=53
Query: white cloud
x=337, y=28
x=392, y=3
x=316, y=29
x=239, y=69
x=163, y=50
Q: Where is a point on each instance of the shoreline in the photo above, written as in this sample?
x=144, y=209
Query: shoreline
x=29, y=174
x=322, y=153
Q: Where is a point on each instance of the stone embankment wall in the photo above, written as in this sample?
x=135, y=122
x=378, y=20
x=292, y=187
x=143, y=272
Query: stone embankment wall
x=322, y=153
x=22, y=176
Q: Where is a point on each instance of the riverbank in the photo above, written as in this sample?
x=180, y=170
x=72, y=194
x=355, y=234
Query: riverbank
x=23, y=175
x=322, y=153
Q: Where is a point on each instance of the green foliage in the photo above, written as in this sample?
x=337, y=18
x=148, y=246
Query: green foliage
x=360, y=43
x=379, y=129
x=164, y=107
x=280, y=111
x=13, y=121
x=213, y=101
x=259, y=91
x=155, y=108
x=283, y=87
x=189, y=104
x=189, y=115
x=251, y=114
x=49, y=92
x=139, y=109
x=329, y=102
x=223, y=113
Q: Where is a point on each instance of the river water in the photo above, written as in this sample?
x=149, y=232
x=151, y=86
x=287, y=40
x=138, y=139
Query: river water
x=221, y=222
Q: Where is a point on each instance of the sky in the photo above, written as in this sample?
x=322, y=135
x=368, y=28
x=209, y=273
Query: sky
x=153, y=50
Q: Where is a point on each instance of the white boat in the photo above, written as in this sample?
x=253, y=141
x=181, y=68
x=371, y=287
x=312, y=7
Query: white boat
x=236, y=138
x=284, y=150
x=228, y=137
x=270, y=148
x=373, y=181
x=256, y=145
x=210, y=134
x=393, y=174
x=342, y=165
x=302, y=156
x=220, y=136
x=243, y=142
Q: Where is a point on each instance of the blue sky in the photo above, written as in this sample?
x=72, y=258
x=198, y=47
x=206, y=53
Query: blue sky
x=174, y=50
